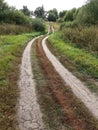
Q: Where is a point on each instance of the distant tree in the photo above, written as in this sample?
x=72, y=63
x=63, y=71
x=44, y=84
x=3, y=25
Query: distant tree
x=69, y=16
x=38, y=24
x=26, y=11
x=39, y=12
x=62, y=13
x=52, y=15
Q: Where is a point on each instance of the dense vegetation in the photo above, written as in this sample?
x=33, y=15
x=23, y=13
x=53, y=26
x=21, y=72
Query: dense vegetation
x=78, y=37
x=80, y=26
x=18, y=21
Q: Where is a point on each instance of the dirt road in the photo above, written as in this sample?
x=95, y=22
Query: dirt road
x=29, y=114
x=78, y=88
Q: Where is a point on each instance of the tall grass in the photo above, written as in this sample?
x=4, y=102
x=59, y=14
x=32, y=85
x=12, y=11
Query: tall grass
x=85, y=61
x=14, y=29
x=11, y=48
x=85, y=37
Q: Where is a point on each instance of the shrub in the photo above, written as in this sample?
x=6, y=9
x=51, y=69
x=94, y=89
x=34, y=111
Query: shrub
x=13, y=16
x=86, y=37
x=38, y=25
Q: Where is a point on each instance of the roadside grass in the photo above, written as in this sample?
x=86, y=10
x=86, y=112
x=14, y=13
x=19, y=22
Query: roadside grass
x=85, y=61
x=61, y=109
x=11, y=49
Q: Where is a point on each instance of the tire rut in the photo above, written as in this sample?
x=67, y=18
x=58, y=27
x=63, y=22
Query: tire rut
x=29, y=114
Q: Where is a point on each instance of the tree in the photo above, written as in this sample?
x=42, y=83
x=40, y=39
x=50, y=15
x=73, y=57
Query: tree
x=88, y=14
x=3, y=5
x=62, y=13
x=52, y=15
x=69, y=16
x=39, y=12
x=38, y=24
x=26, y=11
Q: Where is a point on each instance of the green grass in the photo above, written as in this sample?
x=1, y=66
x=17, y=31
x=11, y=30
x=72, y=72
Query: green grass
x=84, y=61
x=11, y=49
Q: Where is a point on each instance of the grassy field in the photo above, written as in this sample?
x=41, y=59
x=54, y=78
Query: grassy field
x=11, y=49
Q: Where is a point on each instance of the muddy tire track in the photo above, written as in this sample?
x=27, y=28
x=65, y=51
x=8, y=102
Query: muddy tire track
x=29, y=114
x=79, y=89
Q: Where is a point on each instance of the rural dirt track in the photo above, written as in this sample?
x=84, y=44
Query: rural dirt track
x=29, y=114
x=79, y=89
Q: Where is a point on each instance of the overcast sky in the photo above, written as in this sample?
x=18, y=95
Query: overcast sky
x=48, y=4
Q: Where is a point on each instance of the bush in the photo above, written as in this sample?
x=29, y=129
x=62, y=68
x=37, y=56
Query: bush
x=86, y=37
x=88, y=14
x=38, y=25
x=69, y=24
x=14, y=17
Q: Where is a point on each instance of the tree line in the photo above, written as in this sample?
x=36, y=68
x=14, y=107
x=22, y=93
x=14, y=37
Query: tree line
x=87, y=14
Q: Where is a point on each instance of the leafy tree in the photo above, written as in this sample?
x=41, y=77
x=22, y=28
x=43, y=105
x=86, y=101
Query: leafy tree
x=26, y=11
x=52, y=15
x=3, y=5
x=62, y=13
x=88, y=14
x=39, y=12
x=38, y=24
x=14, y=16
x=69, y=16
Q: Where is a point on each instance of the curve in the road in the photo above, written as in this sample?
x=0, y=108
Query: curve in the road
x=78, y=88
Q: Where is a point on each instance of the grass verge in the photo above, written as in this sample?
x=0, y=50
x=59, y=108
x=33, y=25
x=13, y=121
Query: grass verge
x=11, y=48
x=81, y=63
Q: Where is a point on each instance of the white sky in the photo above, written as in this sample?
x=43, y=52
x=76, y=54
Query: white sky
x=60, y=5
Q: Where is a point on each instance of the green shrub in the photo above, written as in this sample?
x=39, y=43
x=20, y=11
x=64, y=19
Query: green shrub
x=14, y=16
x=38, y=25
x=86, y=37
